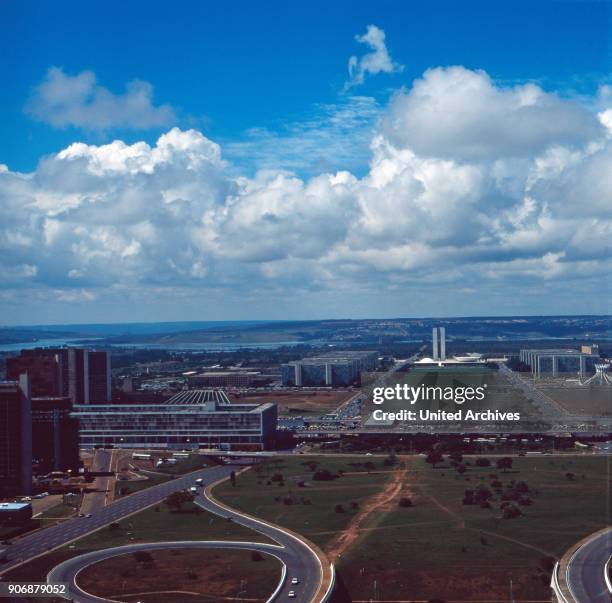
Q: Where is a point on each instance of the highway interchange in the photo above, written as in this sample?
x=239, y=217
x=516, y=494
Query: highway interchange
x=300, y=560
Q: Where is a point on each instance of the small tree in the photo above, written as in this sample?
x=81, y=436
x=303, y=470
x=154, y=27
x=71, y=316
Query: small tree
x=483, y=462
x=339, y=508
x=404, y=501
x=504, y=463
x=434, y=457
x=256, y=556
x=176, y=500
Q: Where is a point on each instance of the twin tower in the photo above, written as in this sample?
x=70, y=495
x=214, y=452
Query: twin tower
x=439, y=343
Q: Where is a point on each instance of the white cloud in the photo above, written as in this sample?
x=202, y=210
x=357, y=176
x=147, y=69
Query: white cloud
x=461, y=114
x=63, y=100
x=500, y=213
x=377, y=61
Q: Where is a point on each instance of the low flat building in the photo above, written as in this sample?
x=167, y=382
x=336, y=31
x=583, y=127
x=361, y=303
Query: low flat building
x=15, y=513
x=332, y=369
x=188, y=420
x=222, y=379
x=556, y=361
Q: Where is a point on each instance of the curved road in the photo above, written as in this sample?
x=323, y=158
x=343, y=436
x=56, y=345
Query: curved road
x=39, y=542
x=300, y=560
x=68, y=570
x=585, y=570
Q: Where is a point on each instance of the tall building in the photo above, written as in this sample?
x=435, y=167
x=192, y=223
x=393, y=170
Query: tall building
x=15, y=437
x=97, y=381
x=55, y=435
x=43, y=366
x=82, y=375
x=438, y=338
x=333, y=369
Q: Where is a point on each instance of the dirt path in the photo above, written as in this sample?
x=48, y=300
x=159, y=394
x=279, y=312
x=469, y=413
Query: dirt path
x=378, y=501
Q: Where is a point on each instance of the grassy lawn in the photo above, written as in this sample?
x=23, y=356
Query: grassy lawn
x=193, y=462
x=147, y=526
x=204, y=575
x=126, y=487
x=309, y=509
x=443, y=548
x=158, y=475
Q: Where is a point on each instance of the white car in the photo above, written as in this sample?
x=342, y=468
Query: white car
x=294, y=581
x=291, y=594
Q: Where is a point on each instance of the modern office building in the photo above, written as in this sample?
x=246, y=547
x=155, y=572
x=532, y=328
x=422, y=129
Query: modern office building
x=43, y=367
x=55, y=435
x=188, y=420
x=332, y=369
x=82, y=375
x=439, y=344
x=555, y=361
x=15, y=437
x=223, y=379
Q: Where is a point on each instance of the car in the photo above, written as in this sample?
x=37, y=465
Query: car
x=291, y=594
x=294, y=581
x=88, y=515
x=193, y=489
x=81, y=514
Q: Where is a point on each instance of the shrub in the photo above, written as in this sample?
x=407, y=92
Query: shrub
x=405, y=502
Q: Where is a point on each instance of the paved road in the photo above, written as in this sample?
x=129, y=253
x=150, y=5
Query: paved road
x=301, y=561
x=585, y=570
x=67, y=571
x=38, y=543
x=92, y=501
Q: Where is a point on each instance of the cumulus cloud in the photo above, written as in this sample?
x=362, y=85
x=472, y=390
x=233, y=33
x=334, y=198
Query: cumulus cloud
x=511, y=204
x=63, y=100
x=461, y=114
x=378, y=60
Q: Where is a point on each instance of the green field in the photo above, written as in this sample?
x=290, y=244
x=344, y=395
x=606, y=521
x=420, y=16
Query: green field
x=126, y=487
x=443, y=548
x=309, y=509
x=174, y=573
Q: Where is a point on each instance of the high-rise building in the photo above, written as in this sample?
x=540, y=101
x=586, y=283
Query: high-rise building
x=42, y=365
x=438, y=338
x=97, y=379
x=15, y=437
x=82, y=375
x=55, y=435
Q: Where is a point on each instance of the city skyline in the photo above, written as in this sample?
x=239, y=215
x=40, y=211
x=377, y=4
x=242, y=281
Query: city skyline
x=390, y=161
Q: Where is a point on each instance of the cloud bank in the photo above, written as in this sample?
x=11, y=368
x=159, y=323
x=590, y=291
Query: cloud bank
x=471, y=187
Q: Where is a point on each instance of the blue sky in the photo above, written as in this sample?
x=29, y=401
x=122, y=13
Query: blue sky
x=227, y=69
x=194, y=161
